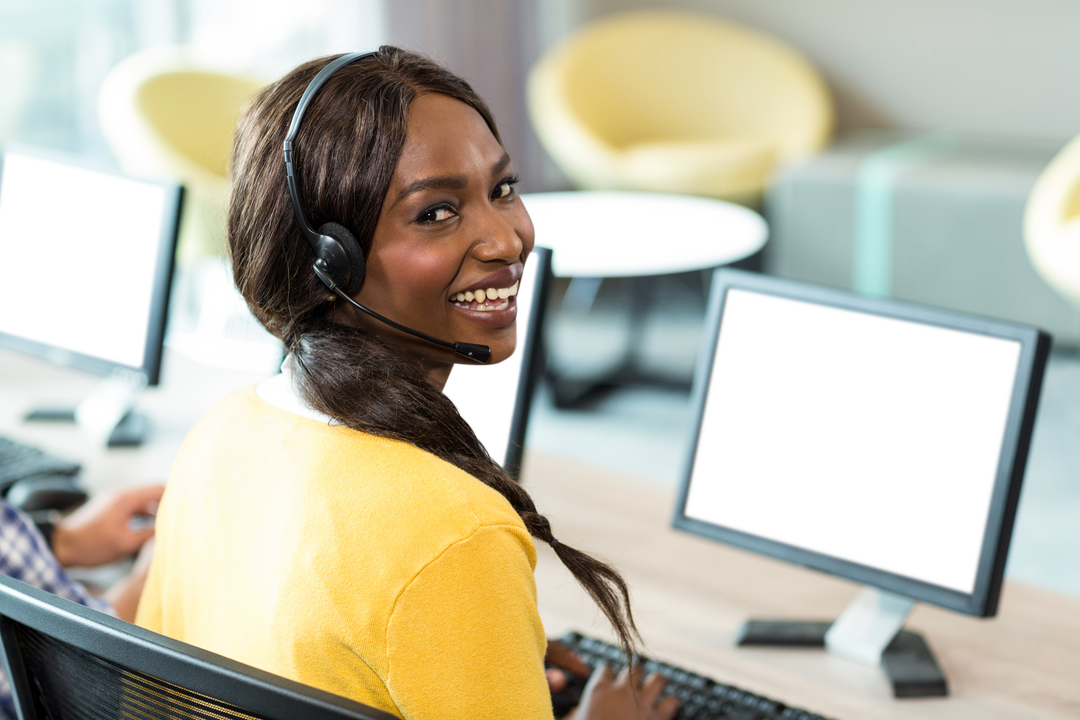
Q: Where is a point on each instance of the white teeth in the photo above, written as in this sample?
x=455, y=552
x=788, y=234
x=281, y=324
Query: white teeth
x=487, y=308
x=490, y=294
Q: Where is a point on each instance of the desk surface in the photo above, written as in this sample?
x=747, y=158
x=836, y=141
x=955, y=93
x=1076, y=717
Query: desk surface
x=690, y=595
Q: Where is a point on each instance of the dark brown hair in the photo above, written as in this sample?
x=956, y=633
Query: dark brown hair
x=345, y=154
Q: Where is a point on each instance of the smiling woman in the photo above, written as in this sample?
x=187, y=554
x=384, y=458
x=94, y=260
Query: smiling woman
x=340, y=524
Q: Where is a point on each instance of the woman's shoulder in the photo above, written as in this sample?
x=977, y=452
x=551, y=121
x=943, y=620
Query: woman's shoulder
x=415, y=480
x=346, y=473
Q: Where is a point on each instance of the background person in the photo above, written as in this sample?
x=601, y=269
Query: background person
x=104, y=530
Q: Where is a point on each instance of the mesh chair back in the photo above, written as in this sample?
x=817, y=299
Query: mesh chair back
x=68, y=662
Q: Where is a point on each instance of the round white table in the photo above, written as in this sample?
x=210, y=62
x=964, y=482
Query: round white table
x=634, y=235
x=630, y=234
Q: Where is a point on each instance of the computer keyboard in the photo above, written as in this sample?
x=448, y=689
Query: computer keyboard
x=19, y=461
x=702, y=698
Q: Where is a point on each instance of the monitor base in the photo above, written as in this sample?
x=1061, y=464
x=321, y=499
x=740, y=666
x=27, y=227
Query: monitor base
x=130, y=431
x=907, y=660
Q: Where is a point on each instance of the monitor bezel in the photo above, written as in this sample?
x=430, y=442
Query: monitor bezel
x=529, y=364
x=1034, y=350
x=162, y=281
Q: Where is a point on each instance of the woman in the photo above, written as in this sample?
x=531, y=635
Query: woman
x=340, y=524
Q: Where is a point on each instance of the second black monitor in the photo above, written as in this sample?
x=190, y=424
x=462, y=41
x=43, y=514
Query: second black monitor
x=876, y=440
x=495, y=400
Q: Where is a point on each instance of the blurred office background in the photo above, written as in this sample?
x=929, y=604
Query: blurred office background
x=998, y=77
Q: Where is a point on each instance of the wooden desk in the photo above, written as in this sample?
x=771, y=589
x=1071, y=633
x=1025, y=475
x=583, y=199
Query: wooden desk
x=691, y=595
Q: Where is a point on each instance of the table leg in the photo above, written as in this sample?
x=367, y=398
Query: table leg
x=639, y=294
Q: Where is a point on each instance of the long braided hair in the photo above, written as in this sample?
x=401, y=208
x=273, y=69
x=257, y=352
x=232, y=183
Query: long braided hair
x=346, y=155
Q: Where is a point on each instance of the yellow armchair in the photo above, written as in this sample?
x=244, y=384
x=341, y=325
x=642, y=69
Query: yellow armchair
x=165, y=115
x=1052, y=223
x=676, y=102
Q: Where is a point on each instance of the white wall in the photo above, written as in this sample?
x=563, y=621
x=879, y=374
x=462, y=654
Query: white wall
x=490, y=43
x=990, y=67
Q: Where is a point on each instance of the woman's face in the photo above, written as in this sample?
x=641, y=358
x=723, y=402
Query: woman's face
x=452, y=228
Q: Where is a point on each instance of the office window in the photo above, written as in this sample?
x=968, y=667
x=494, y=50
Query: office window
x=54, y=54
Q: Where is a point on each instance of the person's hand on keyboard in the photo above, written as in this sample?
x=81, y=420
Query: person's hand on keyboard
x=107, y=528
x=563, y=666
x=625, y=697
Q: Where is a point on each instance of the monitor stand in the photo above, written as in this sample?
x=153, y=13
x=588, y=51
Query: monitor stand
x=106, y=412
x=868, y=631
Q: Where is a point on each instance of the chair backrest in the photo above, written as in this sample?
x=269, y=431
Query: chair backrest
x=164, y=114
x=1052, y=223
x=676, y=102
x=68, y=662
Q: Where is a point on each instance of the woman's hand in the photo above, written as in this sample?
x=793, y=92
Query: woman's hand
x=625, y=697
x=560, y=661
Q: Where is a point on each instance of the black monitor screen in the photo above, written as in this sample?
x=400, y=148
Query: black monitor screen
x=862, y=458
x=495, y=399
x=78, y=258
x=85, y=263
x=873, y=439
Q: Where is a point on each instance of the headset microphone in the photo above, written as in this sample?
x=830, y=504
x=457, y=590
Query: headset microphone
x=339, y=261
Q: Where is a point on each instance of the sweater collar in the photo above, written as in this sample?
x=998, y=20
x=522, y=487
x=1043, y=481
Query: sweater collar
x=280, y=392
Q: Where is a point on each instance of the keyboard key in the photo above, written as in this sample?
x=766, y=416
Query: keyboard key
x=742, y=714
x=770, y=706
x=694, y=712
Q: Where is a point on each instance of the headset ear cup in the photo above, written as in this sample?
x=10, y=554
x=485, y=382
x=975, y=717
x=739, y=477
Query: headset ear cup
x=352, y=252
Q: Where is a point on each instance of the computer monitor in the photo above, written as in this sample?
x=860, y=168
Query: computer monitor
x=876, y=440
x=86, y=259
x=495, y=399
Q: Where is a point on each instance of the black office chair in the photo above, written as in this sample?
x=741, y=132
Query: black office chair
x=68, y=662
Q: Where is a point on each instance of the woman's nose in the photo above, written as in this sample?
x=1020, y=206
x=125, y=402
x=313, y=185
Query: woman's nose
x=502, y=234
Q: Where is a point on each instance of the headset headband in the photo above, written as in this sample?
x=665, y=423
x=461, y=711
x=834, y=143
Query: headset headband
x=290, y=172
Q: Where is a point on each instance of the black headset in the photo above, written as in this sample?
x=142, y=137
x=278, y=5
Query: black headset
x=339, y=261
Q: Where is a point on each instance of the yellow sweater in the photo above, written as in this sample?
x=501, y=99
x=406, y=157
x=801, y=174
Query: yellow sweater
x=359, y=565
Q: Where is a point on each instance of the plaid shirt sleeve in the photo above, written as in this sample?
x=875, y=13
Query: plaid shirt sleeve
x=24, y=555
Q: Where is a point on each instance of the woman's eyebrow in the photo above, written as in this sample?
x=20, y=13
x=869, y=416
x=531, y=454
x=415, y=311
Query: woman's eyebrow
x=437, y=182
x=448, y=182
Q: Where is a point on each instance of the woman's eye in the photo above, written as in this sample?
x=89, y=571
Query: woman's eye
x=504, y=189
x=436, y=214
